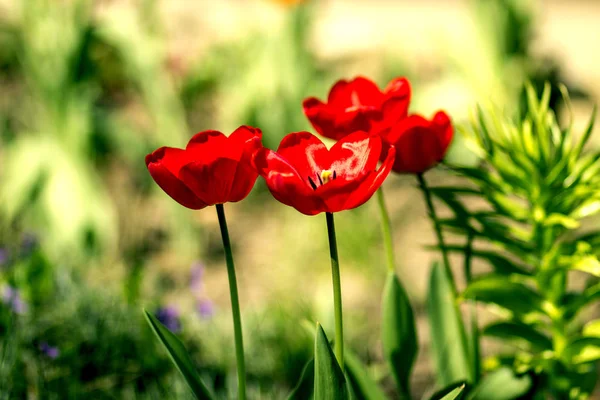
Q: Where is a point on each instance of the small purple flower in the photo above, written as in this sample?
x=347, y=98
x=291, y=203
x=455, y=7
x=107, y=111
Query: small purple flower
x=50, y=351
x=12, y=298
x=205, y=308
x=169, y=317
x=197, y=273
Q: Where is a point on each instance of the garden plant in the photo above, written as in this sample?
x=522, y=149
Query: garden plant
x=535, y=185
x=365, y=244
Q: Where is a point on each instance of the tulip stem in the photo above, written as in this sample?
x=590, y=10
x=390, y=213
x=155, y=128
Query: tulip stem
x=337, y=291
x=437, y=227
x=235, y=304
x=386, y=228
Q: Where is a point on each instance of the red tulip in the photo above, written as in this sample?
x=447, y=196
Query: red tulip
x=358, y=105
x=420, y=144
x=303, y=174
x=212, y=169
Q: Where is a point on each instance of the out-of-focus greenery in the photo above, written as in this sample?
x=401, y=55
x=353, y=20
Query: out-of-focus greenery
x=86, y=92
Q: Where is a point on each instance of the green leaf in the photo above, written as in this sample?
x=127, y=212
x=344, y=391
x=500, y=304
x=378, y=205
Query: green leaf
x=589, y=295
x=304, y=387
x=500, y=263
x=399, y=338
x=473, y=342
x=180, y=357
x=365, y=388
x=519, y=334
x=501, y=384
x=586, y=135
x=583, y=349
x=330, y=383
x=455, y=391
x=448, y=336
x=592, y=328
x=513, y=296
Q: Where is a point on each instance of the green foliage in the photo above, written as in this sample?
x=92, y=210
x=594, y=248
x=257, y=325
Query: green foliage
x=398, y=334
x=452, y=392
x=330, y=382
x=180, y=357
x=362, y=383
x=534, y=189
x=448, y=335
x=501, y=384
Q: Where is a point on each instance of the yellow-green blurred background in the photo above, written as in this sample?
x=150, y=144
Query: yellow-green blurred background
x=87, y=88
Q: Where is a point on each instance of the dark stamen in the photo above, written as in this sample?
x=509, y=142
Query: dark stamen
x=334, y=176
x=320, y=180
x=312, y=184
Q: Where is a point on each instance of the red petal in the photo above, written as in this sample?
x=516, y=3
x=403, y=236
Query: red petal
x=320, y=116
x=305, y=153
x=243, y=182
x=417, y=144
x=210, y=182
x=395, y=103
x=355, y=155
x=372, y=183
x=285, y=184
x=207, y=146
x=164, y=165
x=441, y=122
x=243, y=142
x=357, y=92
x=335, y=193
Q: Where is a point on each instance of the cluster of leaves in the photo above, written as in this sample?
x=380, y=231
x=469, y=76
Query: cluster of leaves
x=522, y=214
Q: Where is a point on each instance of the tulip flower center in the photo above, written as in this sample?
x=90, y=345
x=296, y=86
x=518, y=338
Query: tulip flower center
x=325, y=176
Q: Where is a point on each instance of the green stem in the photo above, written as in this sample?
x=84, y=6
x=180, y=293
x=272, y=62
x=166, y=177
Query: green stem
x=437, y=227
x=337, y=291
x=388, y=241
x=235, y=305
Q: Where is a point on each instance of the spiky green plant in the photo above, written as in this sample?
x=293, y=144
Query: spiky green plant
x=525, y=207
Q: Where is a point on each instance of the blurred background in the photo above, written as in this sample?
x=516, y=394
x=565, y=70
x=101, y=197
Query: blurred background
x=88, y=88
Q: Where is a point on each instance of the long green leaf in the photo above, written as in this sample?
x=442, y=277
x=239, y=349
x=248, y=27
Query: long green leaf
x=365, y=388
x=501, y=384
x=398, y=333
x=180, y=357
x=304, y=387
x=519, y=334
x=505, y=293
x=584, y=349
x=330, y=383
x=448, y=335
x=455, y=391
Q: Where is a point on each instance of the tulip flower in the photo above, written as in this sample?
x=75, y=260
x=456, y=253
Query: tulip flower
x=358, y=105
x=304, y=174
x=420, y=143
x=212, y=169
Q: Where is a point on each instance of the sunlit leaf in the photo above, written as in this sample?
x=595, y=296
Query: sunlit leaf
x=453, y=392
x=330, y=383
x=501, y=384
x=583, y=349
